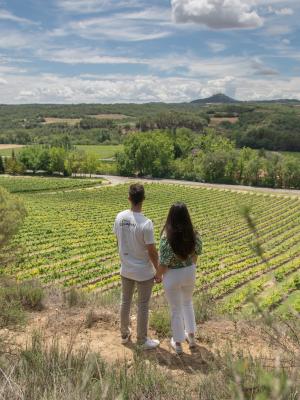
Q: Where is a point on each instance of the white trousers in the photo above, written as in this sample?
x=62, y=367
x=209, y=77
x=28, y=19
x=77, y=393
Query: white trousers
x=179, y=285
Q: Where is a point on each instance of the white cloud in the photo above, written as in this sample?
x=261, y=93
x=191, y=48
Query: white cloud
x=92, y=6
x=122, y=27
x=216, y=47
x=216, y=14
x=281, y=11
x=10, y=69
x=7, y=15
x=278, y=30
x=47, y=88
x=284, y=11
x=183, y=64
x=15, y=39
x=85, y=55
x=214, y=67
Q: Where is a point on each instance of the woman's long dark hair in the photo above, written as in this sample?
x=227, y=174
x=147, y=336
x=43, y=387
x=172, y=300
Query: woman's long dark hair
x=180, y=231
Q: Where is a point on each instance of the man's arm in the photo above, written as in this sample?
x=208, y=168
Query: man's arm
x=153, y=255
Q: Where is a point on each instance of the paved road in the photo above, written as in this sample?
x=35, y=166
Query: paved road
x=116, y=180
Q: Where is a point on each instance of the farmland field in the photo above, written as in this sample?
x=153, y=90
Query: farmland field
x=101, y=151
x=76, y=121
x=215, y=121
x=67, y=239
x=294, y=154
x=6, y=149
x=68, y=121
x=36, y=184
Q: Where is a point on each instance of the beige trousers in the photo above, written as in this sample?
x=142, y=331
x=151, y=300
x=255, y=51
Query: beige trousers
x=144, y=290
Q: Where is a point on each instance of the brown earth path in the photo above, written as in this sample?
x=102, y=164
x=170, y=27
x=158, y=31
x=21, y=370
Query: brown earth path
x=68, y=327
x=116, y=180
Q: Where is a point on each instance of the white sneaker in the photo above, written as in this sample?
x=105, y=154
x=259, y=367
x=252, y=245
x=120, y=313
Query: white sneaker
x=126, y=339
x=176, y=347
x=191, y=340
x=150, y=344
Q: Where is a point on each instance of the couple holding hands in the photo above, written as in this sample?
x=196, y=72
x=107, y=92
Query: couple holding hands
x=141, y=266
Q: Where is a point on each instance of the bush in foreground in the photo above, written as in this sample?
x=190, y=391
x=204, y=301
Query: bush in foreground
x=16, y=298
x=54, y=372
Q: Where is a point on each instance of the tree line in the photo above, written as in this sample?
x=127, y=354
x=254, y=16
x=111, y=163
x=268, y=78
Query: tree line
x=259, y=126
x=207, y=158
x=173, y=120
x=274, y=128
x=53, y=160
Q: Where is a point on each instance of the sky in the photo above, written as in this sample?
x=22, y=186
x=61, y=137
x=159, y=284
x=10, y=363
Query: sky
x=117, y=51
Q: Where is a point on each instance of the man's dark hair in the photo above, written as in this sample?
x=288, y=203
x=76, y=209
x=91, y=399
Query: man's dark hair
x=136, y=193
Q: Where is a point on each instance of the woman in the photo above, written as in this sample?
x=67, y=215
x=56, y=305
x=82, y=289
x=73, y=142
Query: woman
x=180, y=246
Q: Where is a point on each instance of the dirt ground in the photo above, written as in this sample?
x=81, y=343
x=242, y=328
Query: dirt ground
x=109, y=116
x=69, y=121
x=68, y=326
x=10, y=146
x=75, y=121
x=214, y=121
x=117, y=180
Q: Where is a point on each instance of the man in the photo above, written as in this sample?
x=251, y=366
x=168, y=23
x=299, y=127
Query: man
x=139, y=262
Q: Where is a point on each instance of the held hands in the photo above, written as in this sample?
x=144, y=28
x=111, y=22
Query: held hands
x=158, y=278
x=159, y=273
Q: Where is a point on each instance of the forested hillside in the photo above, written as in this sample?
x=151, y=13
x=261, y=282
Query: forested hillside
x=237, y=142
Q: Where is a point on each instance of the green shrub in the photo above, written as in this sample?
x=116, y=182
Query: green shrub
x=160, y=321
x=16, y=297
x=54, y=373
x=204, y=306
x=29, y=294
x=75, y=298
x=11, y=313
x=110, y=299
x=91, y=319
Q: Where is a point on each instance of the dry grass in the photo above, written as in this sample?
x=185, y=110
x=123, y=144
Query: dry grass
x=215, y=121
x=76, y=121
x=10, y=146
x=109, y=116
x=233, y=359
x=69, y=121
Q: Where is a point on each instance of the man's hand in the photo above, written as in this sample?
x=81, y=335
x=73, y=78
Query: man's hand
x=158, y=278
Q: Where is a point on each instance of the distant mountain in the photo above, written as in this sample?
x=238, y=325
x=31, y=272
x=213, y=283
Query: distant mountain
x=216, y=99
x=221, y=98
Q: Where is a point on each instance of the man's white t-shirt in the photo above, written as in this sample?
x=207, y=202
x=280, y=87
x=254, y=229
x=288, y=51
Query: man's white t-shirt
x=134, y=231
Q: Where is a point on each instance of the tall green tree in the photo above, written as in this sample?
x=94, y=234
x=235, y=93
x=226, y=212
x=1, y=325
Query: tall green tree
x=147, y=154
x=30, y=157
x=13, y=166
x=291, y=173
x=2, y=169
x=57, y=156
x=90, y=164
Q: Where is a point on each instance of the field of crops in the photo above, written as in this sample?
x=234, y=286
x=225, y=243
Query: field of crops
x=36, y=184
x=6, y=150
x=67, y=239
x=101, y=151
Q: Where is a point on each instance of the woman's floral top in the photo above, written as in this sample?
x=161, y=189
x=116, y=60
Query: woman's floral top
x=168, y=258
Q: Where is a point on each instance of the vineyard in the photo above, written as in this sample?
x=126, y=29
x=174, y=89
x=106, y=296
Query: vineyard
x=67, y=239
x=32, y=184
